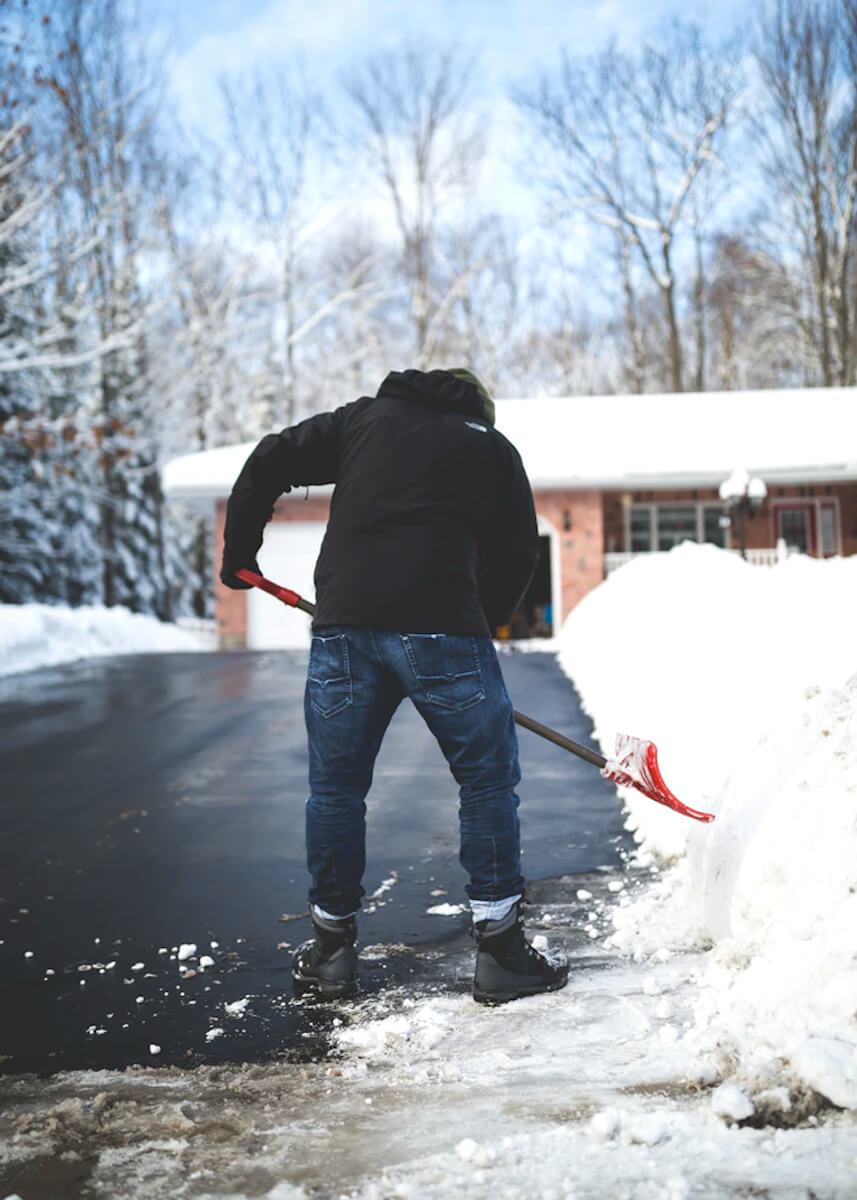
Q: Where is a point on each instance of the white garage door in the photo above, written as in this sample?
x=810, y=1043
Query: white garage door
x=288, y=557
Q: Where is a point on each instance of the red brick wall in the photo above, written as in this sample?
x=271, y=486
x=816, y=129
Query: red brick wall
x=578, y=518
x=230, y=607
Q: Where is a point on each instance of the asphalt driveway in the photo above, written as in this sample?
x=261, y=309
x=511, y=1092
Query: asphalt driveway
x=154, y=803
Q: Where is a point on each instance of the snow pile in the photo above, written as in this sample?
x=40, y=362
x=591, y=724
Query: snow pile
x=44, y=635
x=745, y=679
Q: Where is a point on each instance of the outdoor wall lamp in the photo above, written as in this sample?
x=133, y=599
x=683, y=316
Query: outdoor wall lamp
x=743, y=495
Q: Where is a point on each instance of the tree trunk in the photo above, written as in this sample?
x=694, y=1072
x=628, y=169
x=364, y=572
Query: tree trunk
x=631, y=322
x=668, y=291
x=699, y=320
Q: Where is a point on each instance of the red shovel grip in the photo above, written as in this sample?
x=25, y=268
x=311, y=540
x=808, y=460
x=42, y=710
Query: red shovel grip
x=274, y=589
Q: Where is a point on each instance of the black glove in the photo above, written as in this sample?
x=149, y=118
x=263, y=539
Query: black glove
x=228, y=576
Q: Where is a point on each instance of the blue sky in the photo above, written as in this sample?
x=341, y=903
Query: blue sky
x=514, y=40
x=514, y=37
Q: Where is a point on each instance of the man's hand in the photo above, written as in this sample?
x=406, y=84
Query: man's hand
x=228, y=576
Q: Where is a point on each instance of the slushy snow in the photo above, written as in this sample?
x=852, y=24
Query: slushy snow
x=45, y=635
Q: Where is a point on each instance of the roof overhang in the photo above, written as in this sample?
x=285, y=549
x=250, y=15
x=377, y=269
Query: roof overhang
x=690, y=440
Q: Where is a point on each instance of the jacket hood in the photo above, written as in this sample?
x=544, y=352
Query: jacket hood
x=436, y=389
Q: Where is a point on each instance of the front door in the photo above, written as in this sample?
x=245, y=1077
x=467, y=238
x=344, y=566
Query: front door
x=795, y=524
x=809, y=526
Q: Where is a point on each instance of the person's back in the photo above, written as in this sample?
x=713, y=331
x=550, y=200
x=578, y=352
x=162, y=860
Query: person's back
x=431, y=542
x=432, y=526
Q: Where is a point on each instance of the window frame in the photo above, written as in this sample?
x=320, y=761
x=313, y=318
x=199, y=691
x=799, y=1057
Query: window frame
x=815, y=505
x=654, y=505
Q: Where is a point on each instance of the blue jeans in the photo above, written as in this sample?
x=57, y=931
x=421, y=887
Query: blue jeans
x=355, y=682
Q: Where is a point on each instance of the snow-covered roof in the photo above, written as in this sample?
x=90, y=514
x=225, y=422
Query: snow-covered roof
x=800, y=435
x=206, y=475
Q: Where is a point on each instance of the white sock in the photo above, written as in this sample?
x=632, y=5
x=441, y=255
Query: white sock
x=326, y=916
x=492, y=910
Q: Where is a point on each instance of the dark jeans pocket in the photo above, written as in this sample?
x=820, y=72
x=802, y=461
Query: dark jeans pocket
x=329, y=674
x=446, y=668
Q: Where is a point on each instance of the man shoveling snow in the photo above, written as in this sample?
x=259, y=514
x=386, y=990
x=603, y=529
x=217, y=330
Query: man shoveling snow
x=431, y=543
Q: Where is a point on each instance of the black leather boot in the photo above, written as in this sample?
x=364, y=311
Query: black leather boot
x=507, y=966
x=327, y=964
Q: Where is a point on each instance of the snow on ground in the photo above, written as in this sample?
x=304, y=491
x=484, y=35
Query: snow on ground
x=705, y=1044
x=44, y=635
x=581, y=1094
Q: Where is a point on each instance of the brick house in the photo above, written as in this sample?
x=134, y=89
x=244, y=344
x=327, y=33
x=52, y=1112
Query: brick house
x=612, y=476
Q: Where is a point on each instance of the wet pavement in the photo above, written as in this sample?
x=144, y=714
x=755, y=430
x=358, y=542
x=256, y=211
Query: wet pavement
x=155, y=802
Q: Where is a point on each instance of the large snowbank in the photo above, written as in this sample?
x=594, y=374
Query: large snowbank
x=746, y=678
x=44, y=635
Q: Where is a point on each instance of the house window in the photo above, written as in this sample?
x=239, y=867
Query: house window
x=662, y=526
x=676, y=523
x=795, y=528
x=713, y=527
x=640, y=530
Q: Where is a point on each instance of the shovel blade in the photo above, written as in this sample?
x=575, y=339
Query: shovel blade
x=635, y=764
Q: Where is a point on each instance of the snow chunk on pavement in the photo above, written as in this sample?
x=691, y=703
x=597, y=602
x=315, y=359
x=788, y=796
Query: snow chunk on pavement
x=418, y=1030
x=472, y=1152
x=732, y=1102
x=829, y=1064
x=605, y=1125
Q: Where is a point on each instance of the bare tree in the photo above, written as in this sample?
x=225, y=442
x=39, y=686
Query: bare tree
x=632, y=138
x=275, y=170
x=420, y=142
x=752, y=337
x=479, y=257
x=807, y=56
x=623, y=250
x=273, y=121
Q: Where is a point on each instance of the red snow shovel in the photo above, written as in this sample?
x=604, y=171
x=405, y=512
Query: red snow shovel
x=635, y=763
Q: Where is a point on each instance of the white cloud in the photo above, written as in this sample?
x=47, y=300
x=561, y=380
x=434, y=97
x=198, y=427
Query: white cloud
x=319, y=33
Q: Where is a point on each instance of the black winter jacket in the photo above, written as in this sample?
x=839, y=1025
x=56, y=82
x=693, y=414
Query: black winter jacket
x=432, y=527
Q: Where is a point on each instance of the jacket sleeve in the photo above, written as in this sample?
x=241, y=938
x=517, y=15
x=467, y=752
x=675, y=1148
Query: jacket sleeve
x=303, y=454
x=509, y=547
